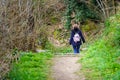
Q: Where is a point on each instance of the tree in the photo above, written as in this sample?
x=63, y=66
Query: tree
x=89, y=9
x=17, y=29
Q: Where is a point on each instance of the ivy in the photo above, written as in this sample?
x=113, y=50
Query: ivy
x=81, y=9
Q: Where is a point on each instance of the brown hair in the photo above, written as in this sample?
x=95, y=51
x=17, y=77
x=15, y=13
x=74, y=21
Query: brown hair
x=75, y=22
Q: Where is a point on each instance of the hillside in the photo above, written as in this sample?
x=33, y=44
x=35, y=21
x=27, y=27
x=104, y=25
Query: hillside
x=102, y=59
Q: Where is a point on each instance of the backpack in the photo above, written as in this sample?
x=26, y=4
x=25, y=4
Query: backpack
x=76, y=38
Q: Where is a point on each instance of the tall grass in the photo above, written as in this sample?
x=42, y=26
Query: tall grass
x=32, y=67
x=102, y=59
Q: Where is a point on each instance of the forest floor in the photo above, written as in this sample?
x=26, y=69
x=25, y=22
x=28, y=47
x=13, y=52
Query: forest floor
x=67, y=68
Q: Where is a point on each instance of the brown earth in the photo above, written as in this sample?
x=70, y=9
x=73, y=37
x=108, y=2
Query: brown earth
x=67, y=68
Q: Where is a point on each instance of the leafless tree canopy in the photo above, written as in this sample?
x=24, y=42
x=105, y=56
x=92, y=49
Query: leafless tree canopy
x=20, y=24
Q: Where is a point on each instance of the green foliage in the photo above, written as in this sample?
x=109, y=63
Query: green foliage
x=56, y=33
x=89, y=26
x=101, y=61
x=81, y=11
x=63, y=50
x=43, y=37
x=31, y=66
x=117, y=36
x=49, y=46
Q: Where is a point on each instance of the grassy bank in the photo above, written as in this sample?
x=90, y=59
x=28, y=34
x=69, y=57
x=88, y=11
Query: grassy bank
x=32, y=66
x=102, y=59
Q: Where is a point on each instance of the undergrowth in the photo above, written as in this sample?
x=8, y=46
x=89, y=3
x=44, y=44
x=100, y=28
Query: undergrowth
x=102, y=59
x=63, y=50
x=31, y=66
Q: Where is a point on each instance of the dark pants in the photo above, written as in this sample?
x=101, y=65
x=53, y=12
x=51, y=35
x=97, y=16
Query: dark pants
x=76, y=49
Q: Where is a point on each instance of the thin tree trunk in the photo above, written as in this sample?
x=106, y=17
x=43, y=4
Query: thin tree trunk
x=106, y=8
x=20, y=7
x=102, y=8
x=114, y=7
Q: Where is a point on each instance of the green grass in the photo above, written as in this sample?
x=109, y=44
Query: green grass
x=66, y=50
x=32, y=66
x=102, y=59
x=63, y=50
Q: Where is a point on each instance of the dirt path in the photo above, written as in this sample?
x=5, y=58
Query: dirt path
x=66, y=68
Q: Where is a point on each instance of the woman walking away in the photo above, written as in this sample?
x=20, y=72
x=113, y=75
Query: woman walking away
x=76, y=38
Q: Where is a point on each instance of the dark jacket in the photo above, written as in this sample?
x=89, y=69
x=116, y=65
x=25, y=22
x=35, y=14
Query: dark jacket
x=71, y=41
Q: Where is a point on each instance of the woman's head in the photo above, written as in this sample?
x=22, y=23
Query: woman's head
x=75, y=24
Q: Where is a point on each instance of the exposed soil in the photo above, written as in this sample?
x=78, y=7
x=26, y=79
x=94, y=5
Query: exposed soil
x=67, y=68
